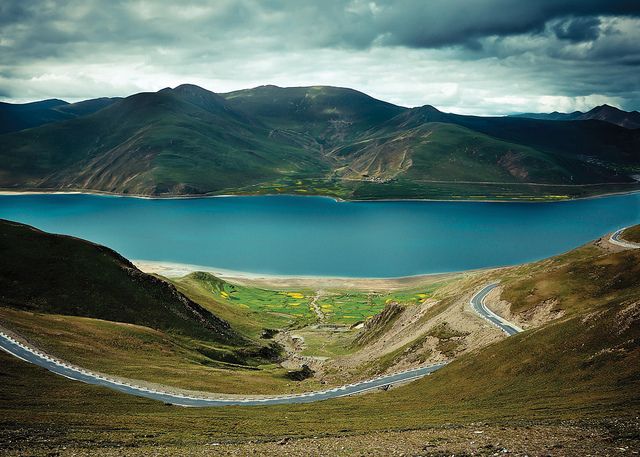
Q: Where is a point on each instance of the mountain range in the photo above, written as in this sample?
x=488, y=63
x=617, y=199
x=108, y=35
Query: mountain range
x=306, y=140
x=607, y=113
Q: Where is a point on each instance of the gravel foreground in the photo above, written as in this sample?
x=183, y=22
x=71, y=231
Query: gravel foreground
x=614, y=437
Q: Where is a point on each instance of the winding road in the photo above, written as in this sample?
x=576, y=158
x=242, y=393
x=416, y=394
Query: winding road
x=477, y=304
x=615, y=239
x=32, y=355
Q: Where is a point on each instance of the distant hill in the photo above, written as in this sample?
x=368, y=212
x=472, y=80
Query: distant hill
x=607, y=113
x=46, y=273
x=86, y=107
x=16, y=117
x=573, y=141
x=315, y=140
x=330, y=115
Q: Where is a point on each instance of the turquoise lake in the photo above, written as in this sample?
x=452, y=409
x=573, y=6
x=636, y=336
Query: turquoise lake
x=318, y=236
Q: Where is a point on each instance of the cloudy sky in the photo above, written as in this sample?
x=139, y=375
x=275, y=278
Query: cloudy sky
x=465, y=56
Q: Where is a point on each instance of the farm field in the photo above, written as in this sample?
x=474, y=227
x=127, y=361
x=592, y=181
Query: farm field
x=295, y=308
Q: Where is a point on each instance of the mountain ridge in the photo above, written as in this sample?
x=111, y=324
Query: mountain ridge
x=15, y=117
x=317, y=140
x=604, y=112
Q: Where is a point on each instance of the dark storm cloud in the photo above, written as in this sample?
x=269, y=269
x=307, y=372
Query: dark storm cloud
x=578, y=29
x=80, y=43
x=303, y=23
x=446, y=22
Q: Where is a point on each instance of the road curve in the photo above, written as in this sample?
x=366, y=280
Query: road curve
x=33, y=355
x=185, y=398
x=615, y=239
x=477, y=304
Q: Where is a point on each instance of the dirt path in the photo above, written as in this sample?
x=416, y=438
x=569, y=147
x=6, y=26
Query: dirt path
x=316, y=308
x=293, y=346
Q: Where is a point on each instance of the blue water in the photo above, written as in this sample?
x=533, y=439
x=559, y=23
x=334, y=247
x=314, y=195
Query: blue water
x=318, y=236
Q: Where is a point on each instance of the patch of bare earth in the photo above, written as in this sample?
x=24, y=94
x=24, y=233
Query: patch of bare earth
x=535, y=316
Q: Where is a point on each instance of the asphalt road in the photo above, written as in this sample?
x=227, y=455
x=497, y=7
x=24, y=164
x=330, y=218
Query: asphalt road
x=36, y=357
x=32, y=355
x=477, y=303
x=615, y=239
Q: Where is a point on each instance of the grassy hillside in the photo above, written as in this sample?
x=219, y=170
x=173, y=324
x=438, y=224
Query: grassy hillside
x=313, y=140
x=581, y=281
x=154, y=356
x=433, y=150
x=605, y=148
x=330, y=115
x=632, y=234
x=57, y=274
x=581, y=366
x=176, y=141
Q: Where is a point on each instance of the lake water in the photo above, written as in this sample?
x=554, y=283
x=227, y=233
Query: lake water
x=319, y=236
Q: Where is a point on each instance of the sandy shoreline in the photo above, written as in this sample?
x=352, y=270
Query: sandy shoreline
x=268, y=281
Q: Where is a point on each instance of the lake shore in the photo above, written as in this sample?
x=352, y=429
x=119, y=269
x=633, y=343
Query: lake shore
x=278, y=282
x=542, y=199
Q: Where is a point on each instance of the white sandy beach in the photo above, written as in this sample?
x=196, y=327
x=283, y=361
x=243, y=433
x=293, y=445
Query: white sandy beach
x=177, y=270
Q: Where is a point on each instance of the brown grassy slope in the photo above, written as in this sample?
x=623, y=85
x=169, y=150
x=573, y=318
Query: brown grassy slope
x=588, y=278
x=152, y=356
x=582, y=365
x=572, y=369
x=632, y=234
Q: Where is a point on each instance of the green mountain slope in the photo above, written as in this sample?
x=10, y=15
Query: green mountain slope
x=14, y=117
x=57, y=274
x=330, y=115
x=314, y=140
x=183, y=140
x=87, y=107
x=434, y=150
x=593, y=142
